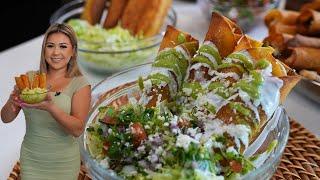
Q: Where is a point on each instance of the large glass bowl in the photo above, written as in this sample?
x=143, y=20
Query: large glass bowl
x=105, y=60
x=246, y=13
x=114, y=90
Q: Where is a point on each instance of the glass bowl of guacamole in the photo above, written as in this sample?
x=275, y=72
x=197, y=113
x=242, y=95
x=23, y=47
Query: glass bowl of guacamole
x=33, y=96
x=106, y=51
x=108, y=148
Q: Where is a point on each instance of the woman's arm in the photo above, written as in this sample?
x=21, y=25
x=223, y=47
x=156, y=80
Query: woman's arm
x=74, y=123
x=11, y=109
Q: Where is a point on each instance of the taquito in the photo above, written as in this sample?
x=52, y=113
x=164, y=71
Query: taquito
x=312, y=75
x=36, y=81
x=303, y=41
x=43, y=80
x=93, y=10
x=20, y=83
x=115, y=11
x=145, y=17
x=303, y=58
x=25, y=80
x=279, y=27
x=308, y=23
x=278, y=41
x=153, y=17
x=315, y=5
x=284, y=16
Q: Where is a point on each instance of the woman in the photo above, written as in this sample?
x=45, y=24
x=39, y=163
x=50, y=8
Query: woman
x=50, y=149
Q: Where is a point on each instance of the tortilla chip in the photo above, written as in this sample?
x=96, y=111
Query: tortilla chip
x=266, y=53
x=254, y=43
x=171, y=38
x=223, y=33
x=288, y=84
x=243, y=43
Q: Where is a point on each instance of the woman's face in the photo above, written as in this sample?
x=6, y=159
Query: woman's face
x=58, y=51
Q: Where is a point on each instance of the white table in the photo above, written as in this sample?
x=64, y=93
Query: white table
x=25, y=56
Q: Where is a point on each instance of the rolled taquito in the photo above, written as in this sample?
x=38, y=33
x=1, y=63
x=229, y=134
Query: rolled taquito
x=93, y=10
x=284, y=16
x=303, y=58
x=308, y=23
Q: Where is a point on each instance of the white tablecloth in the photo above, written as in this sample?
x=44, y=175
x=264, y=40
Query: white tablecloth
x=25, y=56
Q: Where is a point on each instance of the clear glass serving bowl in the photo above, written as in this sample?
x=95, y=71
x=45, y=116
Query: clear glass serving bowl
x=108, y=61
x=115, y=89
x=246, y=15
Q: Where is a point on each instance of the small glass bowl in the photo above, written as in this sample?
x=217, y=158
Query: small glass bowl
x=115, y=89
x=110, y=61
x=244, y=14
x=34, y=97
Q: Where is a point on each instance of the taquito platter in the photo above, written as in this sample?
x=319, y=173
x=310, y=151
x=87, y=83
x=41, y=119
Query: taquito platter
x=295, y=36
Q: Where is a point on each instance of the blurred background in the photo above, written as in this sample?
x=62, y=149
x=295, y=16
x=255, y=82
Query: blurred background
x=25, y=19
x=31, y=18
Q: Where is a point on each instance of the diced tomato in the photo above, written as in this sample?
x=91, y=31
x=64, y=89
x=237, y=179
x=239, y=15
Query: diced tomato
x=235, y=166
x=109, y=120
x=138, y=133
x=182, y=123
x=106, y=146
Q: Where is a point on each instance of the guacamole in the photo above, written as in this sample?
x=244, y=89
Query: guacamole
x=33, y=96
x=110, y=50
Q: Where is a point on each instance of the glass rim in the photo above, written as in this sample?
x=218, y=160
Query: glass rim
x=228, y=4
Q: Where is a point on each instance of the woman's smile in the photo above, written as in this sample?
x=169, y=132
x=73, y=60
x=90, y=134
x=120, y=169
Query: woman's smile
x=56, y=60
x=58, y=51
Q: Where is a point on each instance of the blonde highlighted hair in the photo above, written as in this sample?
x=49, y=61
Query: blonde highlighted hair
x=73, y=69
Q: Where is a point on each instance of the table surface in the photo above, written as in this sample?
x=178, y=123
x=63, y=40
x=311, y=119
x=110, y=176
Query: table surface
x=25, y=56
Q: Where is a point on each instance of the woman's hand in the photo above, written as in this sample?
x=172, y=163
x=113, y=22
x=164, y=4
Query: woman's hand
x=12, y=107
x=44, y=105
x=15, y=102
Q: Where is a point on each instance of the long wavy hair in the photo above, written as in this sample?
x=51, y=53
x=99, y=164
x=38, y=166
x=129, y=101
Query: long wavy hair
x=72, y=69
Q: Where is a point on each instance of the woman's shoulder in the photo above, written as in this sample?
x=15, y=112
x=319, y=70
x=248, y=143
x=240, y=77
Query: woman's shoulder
x=81, y=79
x=79, y=82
